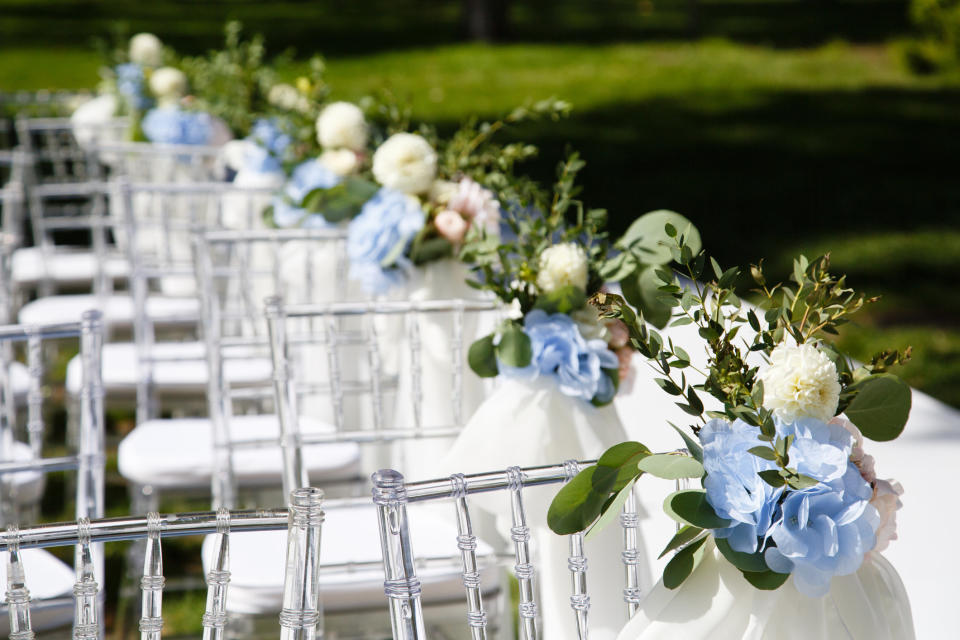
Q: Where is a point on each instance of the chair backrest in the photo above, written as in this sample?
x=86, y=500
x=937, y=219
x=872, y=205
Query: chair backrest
x=159, y=163
x=236, y=272
x=53, y=149
x=300, y=613
x=392, y=494
x=24, y=386
x=348, y=363
x=11, y=210
x=159, y=222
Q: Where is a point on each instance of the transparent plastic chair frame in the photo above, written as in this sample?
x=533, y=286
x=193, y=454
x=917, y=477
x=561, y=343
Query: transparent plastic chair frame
x=301, y=604
x=159, y=163
x=89, y=460
x=392, y=494
x=291, y=327
x=231, y=266
x=56, y=156
x=160, y=221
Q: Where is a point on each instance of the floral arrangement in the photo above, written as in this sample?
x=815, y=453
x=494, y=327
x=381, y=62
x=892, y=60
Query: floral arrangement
x=545, y=273
x=410, y=198
x=787, y=488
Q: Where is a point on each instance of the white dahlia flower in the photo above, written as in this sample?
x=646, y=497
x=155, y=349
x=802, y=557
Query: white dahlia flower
x=168, y=84
x=562, y=265
x=342, y=162
x=405, y=162
x=800, y=382
x=341, y=125
x=146, y=50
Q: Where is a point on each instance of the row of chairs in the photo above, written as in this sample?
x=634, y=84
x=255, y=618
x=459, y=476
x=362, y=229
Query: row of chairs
x=236, y=397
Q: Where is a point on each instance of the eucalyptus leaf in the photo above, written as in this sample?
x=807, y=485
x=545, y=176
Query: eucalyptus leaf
x=683, y=564
x=671, y=466
x=576, y=505
x=690, y=506
x=694, y=447
x=766, y=580
x=683, y=536
x=482, y=357
x=647, y=236
x=743, y=561
x=610, y=512
x=641, y=289
x=514, y=349
x=881, y=407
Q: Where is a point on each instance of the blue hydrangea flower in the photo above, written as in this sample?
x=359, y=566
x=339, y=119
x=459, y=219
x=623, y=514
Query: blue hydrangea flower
x=824, y=531
x=267, y=133
x=306, y=177
x=734, y=489
x=560, y=351
x=819, y=450
x=170, y=125
x=259, y=160
x=388, y=219
x=130, y=83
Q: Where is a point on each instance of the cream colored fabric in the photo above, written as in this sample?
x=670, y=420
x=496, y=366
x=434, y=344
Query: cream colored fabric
x=717, y=603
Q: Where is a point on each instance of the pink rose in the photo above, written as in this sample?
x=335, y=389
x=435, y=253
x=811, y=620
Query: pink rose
x=619, y=334
x=451, y=225
x=477, y=204
x=886, y=499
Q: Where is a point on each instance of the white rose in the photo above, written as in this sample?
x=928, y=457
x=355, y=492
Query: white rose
x=800, y=382
x=342, y=125
x=405, y=162
x=342, y=162
x=562, y=265
x=146, y=49
x=168, y=84
x=441, y=191
x=287, y=97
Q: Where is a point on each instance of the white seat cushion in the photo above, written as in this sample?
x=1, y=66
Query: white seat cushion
x=19, y=379
x=179, y=453
x=31, y=264
x=47, y=577
x=349, y=535
x=117, y=309
x=180, y=366
x=28, y=485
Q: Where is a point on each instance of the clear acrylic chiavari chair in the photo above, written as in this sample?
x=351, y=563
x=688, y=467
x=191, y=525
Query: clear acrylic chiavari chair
x=159, y=163
x=24, y=463
x=213, y=453
x=404, y=587
x=328, y=365
x=56, y=156
x=297, y=617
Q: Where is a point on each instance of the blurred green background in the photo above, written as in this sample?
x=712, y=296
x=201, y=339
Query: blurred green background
x=778, y=126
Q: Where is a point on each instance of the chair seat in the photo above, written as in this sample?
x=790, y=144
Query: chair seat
x=64, y=266
x=349, y=535
x=180, y=367
x=117, y=309
x=178, y=453
x=47, y=578
x=28, y=485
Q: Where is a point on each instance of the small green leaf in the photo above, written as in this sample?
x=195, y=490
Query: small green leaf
x=742, y=561
x=562, y=300
x=669, y=386
x=671, y=466
x=683, y=564
x=692, y=445
x=610, y=512
x=482, y=357
x=763, y=452
x=642, y=290
x=881, y=407
x=394, y=254
x=772, y=477
x=766, y=580
x=685, y=535
x=690, y=506
x=648, y=236
x=801, y=481
x=514, y=349
x=620, y=463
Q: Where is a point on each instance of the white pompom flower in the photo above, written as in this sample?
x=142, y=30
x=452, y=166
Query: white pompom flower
x=562, y=265
x=405, y=162
x=342, y=162
x=800, y=382
x=168, y=85
x=146, y=50
x=341, y=125
x=286, y=96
